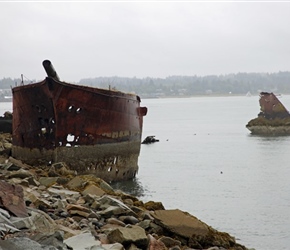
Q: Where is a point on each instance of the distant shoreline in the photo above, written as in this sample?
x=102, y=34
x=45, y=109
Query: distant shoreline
x=190, y=96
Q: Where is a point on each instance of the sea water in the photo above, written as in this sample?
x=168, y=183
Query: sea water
x=208, y=164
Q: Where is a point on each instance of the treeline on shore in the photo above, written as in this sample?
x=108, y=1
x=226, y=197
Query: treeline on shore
x=236, y=84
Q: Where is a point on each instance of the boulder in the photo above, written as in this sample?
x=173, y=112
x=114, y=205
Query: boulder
x=11, y=197
x=82, y=241
x=21, y=243
x=93, y=190
x=180, y=223
x=127, y=235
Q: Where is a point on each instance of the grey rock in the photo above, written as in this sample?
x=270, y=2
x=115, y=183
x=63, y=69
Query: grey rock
x=53, y=190
x=116, y=221
x=9, y=166
x=18, y=163
x=137, y=210
x=94, y=215
x=4, y=213
x=146, y=215
x=76, y=183
x=89, y=198
x=127, y=235
x=47, y=181
x=60, y=204
x=94, y=248
x=110, y=201
x=93, y=190
x=23, y=223
x=96, y=205
x=8, y=228
x=82, y=241
x=144, y=224
x=154, y=228
x=115, y=246
x=129, y=219
x=112, y=206
x=21, y=243
x=112, y=210
x=21, y=174
x=42, y=221
x=105, y=186
x=55, y=239
x=5, y=220
x=169, y=242
x=32, y=181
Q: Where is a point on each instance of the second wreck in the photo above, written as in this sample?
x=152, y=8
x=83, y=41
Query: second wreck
x=94, y=131
x=273, y=119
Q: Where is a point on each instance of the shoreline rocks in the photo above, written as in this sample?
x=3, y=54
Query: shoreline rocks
x=274, y=127
x=50, y=207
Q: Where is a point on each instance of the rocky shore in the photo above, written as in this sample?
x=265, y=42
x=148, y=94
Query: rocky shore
x=264, y=126
x=51, y=207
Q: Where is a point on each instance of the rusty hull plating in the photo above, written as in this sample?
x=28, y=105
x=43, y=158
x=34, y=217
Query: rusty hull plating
x=271, y=107
x=94, y=131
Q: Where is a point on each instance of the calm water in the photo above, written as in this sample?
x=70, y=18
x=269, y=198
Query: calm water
x=201, y=137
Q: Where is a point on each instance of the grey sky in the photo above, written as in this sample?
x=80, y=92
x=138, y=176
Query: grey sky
x=154, y=39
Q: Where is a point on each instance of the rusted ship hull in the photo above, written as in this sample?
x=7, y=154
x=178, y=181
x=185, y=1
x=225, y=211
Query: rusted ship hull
x=94, y=131
x=273, y=119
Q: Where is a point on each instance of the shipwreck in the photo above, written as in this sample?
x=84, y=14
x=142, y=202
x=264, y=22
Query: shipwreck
x=92, y=130
x=273, y=119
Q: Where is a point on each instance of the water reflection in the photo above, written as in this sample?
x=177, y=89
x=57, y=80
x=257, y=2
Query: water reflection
x=270, y=137
x=133, y=187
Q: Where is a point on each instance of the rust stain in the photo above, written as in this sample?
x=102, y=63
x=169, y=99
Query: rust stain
x=271, y=107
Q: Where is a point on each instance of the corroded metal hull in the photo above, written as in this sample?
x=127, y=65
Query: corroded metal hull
x=271, y=107
x=94, y=131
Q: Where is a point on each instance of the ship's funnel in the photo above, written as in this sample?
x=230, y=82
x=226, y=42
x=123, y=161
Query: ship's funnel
x=50, y=71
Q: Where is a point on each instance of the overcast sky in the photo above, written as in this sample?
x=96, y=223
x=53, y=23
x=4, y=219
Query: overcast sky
x=143, y=39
